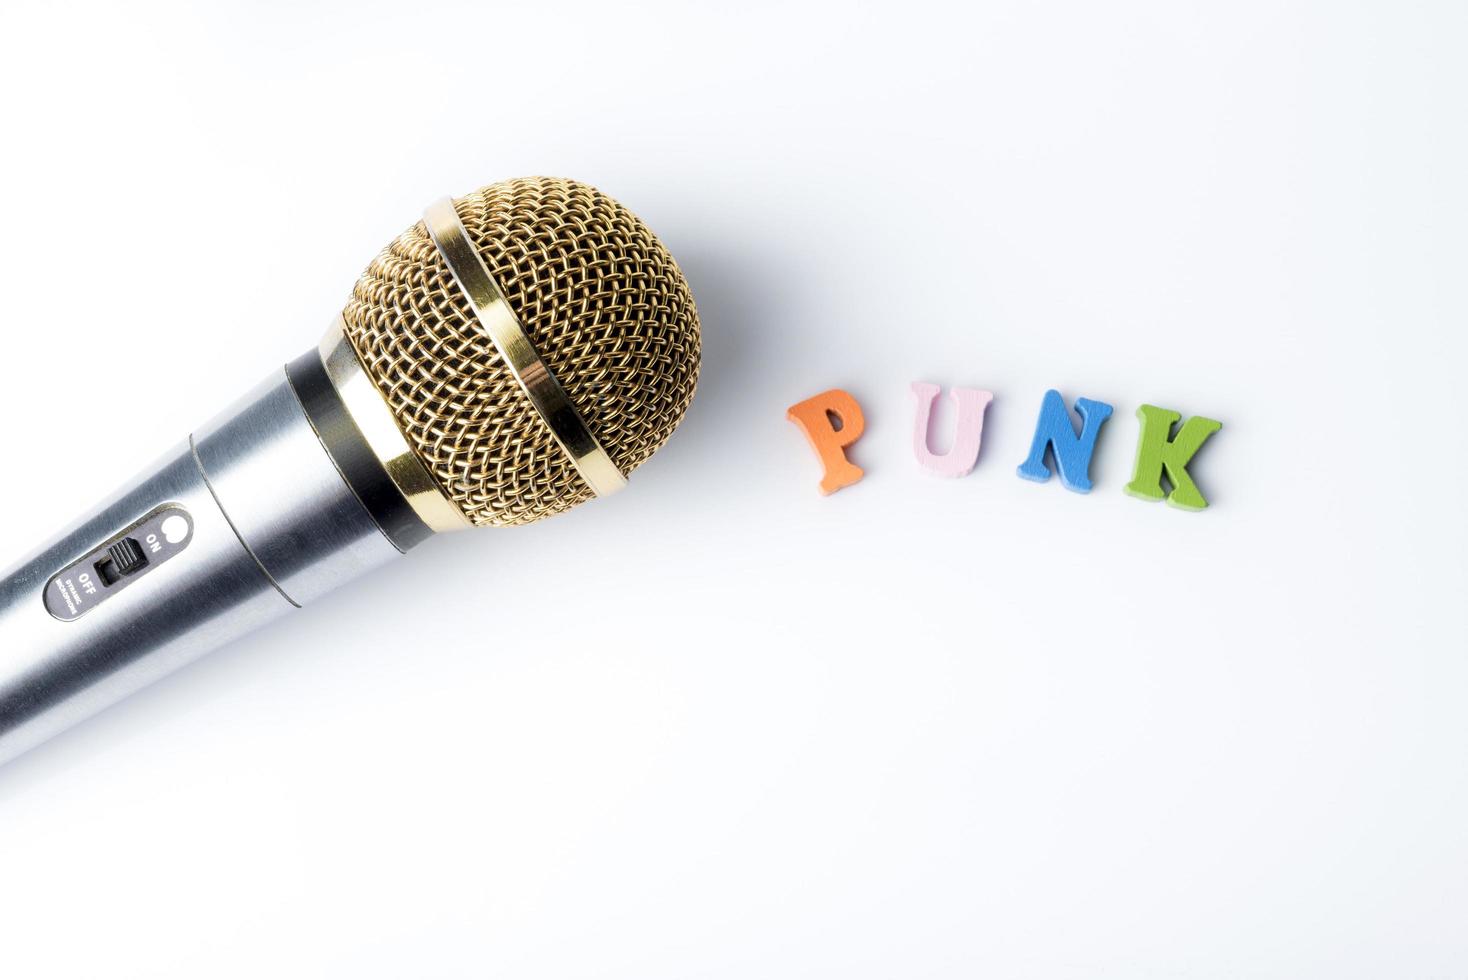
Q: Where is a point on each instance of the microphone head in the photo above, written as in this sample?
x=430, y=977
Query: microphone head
x=599, y=297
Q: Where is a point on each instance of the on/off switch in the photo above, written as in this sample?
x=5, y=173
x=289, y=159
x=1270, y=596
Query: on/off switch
x=123, y=559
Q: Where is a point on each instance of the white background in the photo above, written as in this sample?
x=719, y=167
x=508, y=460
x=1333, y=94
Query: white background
x=921, y=728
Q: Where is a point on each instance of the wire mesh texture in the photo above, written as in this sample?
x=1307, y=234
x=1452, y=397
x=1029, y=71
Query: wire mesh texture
x=598, y=295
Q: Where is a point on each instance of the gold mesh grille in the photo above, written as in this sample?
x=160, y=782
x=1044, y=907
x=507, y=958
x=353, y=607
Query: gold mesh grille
x=598, y=295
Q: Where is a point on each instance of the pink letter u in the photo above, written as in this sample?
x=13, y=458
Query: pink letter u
x=971, y=404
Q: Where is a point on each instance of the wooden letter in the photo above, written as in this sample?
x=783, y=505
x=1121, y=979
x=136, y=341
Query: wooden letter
x=1156, y=452
x=831, y=421
x=1056, y=432
x=968, y=429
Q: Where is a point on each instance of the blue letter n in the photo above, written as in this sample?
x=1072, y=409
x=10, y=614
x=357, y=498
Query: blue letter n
x=1072, y=452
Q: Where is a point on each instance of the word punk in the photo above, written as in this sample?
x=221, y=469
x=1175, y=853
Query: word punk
x=833, y=420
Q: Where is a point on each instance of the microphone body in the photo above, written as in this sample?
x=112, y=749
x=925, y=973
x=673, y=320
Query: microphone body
x=517, y=352
x=247, y=520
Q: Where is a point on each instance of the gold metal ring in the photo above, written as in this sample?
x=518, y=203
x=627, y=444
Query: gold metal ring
x=374, y=420
x=500, y=324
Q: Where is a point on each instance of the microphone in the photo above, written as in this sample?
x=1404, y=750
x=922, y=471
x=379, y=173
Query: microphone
x=515, y=353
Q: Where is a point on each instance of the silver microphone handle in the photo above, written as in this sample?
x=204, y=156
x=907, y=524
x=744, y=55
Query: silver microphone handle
x=251, y=518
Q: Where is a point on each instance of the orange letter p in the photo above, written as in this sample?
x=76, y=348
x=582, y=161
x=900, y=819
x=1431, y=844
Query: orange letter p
x=831, y=421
